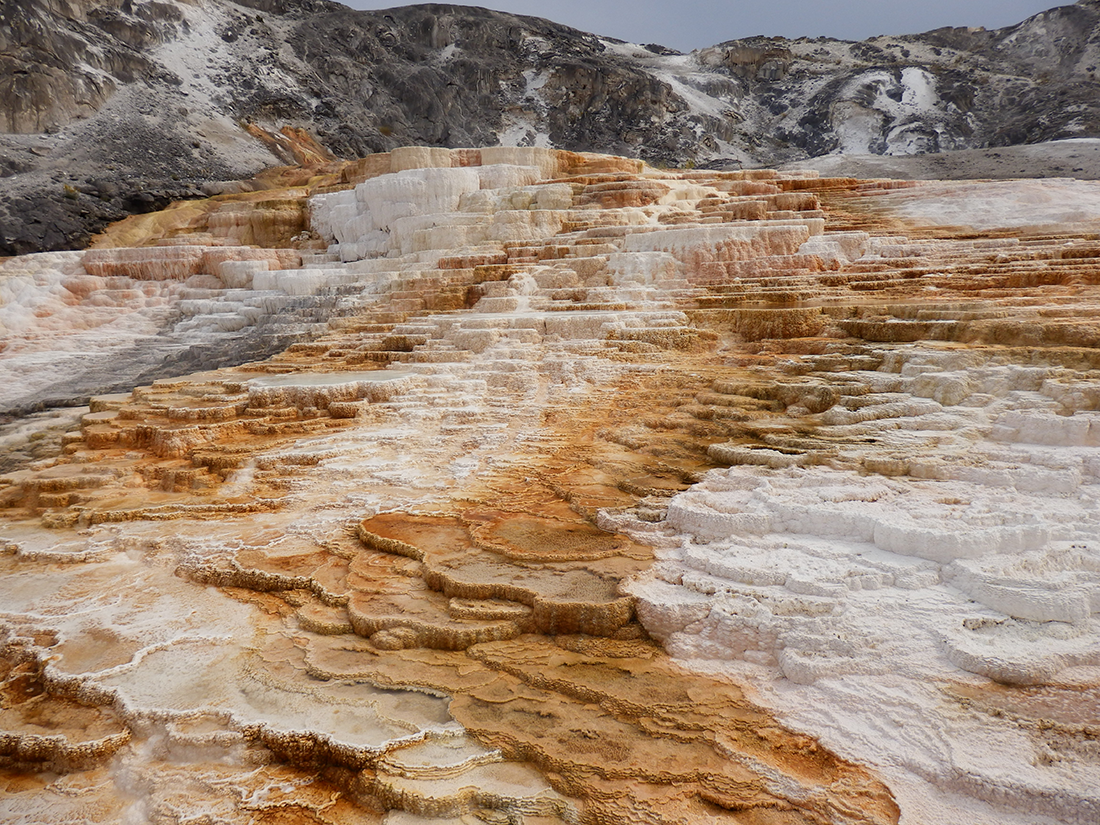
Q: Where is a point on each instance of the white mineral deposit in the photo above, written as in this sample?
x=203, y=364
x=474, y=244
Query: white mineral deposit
x=534, y=486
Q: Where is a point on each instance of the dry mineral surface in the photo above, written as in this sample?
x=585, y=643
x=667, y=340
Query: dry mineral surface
x=584, y=492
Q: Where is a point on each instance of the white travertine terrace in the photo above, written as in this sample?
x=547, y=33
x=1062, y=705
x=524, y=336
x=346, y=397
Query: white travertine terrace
x=865, y=454
x=1063, y=205
x=66, y=314
x=952, y=531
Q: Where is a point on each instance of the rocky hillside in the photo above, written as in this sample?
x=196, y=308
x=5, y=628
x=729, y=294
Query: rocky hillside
x=111, y=108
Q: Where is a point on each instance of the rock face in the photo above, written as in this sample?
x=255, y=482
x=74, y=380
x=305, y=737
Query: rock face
x=207, y=91
x=587, y=492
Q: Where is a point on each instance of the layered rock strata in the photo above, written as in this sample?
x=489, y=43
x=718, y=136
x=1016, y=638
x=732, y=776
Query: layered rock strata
x=601, y=494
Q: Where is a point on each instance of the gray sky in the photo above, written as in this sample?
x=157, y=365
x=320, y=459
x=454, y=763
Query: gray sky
x=692, y=24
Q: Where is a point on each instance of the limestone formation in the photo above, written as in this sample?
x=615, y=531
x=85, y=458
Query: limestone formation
x=583, y=491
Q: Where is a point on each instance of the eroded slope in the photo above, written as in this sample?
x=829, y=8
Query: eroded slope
x=112, y=108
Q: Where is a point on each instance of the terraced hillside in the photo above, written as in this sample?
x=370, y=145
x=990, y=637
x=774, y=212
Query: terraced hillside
x=567, y=489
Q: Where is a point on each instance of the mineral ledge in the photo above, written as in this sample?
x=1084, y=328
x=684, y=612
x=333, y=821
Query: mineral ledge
x=575, y=491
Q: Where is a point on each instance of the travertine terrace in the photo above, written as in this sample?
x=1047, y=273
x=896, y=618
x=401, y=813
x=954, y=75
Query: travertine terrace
x=585, y=492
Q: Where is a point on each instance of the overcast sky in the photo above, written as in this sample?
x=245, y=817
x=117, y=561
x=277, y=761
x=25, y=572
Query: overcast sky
x=692, y=24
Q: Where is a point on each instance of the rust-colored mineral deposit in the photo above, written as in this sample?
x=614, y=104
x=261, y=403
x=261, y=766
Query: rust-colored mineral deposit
x=573, y=491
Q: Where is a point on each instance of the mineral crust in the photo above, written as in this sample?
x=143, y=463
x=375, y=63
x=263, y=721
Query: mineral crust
x=583, y=492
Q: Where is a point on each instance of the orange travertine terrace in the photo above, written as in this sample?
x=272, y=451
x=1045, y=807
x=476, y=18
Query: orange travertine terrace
x=583, y=492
